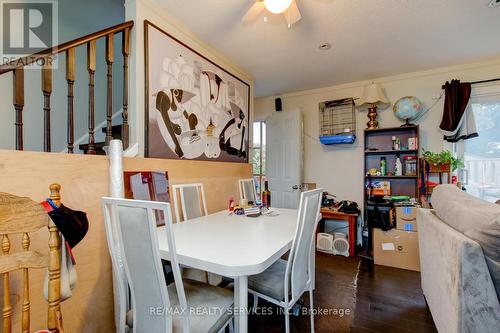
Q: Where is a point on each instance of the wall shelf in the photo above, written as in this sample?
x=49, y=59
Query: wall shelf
x=391, y=152
x=392, y=177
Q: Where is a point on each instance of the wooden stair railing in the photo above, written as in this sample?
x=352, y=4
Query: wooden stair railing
x=44, y=57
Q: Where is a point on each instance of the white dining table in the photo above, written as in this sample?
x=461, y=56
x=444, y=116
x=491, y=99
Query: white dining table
x=233, y=245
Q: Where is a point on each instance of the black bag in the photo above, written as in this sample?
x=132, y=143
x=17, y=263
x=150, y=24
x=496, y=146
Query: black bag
x=379, y=214
x=72, y=224
x=348, y=207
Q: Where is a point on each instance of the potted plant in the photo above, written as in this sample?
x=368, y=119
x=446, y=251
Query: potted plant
x=442, y=161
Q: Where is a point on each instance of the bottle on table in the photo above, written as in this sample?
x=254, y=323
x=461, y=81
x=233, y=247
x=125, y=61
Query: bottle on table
x=266, y=195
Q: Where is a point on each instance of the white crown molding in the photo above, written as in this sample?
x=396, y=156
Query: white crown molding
x=399, y=77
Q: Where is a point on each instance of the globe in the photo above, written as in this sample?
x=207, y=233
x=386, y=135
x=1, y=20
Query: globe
x=408, y=108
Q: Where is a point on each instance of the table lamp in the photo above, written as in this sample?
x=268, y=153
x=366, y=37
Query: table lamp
x=373, y=96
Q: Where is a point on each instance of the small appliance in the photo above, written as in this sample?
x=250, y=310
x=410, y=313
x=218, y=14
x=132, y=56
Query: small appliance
x=324, y=242
x=340, y=245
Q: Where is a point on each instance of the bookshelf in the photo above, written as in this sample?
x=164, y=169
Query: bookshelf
x=378, y=144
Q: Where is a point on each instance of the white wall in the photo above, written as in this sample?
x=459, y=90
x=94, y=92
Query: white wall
x=339, y=169
x=140, y=10
x=76, y=18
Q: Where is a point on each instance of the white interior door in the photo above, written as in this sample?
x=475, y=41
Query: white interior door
x=284, y=157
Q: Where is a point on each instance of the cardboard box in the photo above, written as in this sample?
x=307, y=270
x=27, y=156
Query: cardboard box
x=396, y=248
x=381, y=187
x=413, y=143
x=406, y=218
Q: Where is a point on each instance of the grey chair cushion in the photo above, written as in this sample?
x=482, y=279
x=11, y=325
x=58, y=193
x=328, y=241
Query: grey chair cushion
x=477, y=219
x=271, y=282
x=208, y=307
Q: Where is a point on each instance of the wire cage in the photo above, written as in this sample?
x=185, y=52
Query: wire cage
x=337, y=121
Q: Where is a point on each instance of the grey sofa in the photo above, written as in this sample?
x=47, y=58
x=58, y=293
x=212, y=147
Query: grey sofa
x=457, y=281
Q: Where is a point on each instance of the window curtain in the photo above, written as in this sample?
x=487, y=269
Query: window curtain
x=458, y=121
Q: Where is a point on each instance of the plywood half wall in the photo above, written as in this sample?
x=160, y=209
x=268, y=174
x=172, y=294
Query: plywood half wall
x=84, y=180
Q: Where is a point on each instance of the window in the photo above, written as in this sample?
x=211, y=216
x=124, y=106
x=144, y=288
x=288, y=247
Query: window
x=481, y=155
x=259, y=155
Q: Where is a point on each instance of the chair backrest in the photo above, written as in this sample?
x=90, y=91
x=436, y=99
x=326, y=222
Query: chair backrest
x=299, y=267
x=120, y=283
x=138, y=239
x=20, y=215
x=247, y=189
x=192, y=201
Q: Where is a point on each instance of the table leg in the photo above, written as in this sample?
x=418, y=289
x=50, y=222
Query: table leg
x=241, y=297
x=352, y=235
x=236, y=303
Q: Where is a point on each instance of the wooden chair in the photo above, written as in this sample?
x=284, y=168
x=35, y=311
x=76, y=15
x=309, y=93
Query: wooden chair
x=19, y=215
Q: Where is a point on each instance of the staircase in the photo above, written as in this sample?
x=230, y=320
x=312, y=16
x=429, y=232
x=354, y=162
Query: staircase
x=69, y=48
x=116, y=133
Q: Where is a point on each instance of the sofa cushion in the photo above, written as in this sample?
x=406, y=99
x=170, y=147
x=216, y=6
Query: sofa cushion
x=475, y=218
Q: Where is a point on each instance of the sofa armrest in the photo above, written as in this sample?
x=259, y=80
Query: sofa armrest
x=455, y=278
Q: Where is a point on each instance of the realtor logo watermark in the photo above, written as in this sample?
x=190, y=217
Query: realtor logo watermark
x=27, y=27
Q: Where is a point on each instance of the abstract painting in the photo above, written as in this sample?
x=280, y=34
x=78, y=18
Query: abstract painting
x=195, y=109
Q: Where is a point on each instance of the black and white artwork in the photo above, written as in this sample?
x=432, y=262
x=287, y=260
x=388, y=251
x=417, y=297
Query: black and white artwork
x=196, y=110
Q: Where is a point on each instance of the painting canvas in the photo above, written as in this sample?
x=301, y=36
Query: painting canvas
x=147, y=185
x=195, y=109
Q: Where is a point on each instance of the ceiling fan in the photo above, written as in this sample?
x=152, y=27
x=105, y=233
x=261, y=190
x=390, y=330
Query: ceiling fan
x=288, y=8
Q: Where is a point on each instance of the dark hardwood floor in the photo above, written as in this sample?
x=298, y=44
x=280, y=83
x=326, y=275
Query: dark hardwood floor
x=390, y=300
x=381, y=300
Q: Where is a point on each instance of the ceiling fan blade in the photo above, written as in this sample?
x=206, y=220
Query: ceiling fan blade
x=253, y=12
x=292, y=15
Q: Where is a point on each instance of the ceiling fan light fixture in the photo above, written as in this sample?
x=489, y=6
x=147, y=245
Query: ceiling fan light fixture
x=277, y=6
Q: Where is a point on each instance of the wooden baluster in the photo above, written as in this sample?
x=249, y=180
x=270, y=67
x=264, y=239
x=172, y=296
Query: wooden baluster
x=91, y=64
x=70, y=79
x=26, y=290
x=7, y=308
x=54, y=287
x=47, y=91
x=19, y=105
x=109, y=62
x=126, y=53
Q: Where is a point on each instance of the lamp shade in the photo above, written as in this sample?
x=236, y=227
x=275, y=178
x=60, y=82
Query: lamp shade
x=373, y=94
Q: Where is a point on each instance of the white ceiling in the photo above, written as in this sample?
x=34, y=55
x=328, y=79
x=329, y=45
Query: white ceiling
x=370, y=38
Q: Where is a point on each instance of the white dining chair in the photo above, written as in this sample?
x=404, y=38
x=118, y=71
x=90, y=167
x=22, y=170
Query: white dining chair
x=183, y=306
x=248, y=189
x=192, y=204
x=120, y=283
x=284, y=282
x=192, y=201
